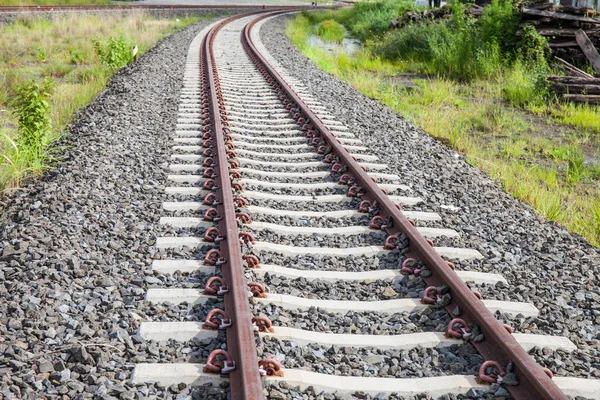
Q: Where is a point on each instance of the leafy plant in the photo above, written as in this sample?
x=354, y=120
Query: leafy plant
x=41, y=54
x=499, y=22
x=533, y=47
x=115, y=53
x=31, y=107
x=76, y=57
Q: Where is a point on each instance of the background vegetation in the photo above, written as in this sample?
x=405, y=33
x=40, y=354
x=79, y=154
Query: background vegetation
x=459, y=81
x=50, y=69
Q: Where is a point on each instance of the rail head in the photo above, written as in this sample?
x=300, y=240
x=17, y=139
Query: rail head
x=498, y=343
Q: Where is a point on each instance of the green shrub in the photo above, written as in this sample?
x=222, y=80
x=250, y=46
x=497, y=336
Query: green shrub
x=451, y=49
x=331, y=31
x=533, y=46
x=115, y=53
x=499, y=22
x=367, y=20
x=31, y=107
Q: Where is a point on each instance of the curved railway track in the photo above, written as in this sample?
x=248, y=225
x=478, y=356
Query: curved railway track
x=272, y=194
x=33, y=9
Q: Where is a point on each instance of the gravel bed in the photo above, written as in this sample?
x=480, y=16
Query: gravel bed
x=343, y=290
x=314, y=319
x=514, y=238
x=374, y=238
x=305, y=205
x=358, y=220
x=271, y=168
x=272, y=156
x=278, y=150
x=300, y=179
x=75, y=246
x=276, y=390
x=333, y=263
x=459, y=359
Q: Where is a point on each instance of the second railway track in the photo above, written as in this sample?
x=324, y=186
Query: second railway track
x=306, y=264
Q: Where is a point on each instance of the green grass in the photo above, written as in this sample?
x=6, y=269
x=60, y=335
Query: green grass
x=63, y=51
x=480, y=119
x=331, y=31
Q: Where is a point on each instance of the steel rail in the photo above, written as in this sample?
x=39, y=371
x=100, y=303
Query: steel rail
x=497, y=344
x=245, y=382
x=245, y=379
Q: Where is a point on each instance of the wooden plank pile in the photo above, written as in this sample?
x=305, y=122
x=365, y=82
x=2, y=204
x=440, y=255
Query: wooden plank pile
x=578, y=85
x=560, y=25
x=573, y=34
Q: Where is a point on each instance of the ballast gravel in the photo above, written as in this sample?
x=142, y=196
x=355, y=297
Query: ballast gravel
x=368, y=323
x=343, y=290
x=75, y=248
x=556, y=270
x=370, y=362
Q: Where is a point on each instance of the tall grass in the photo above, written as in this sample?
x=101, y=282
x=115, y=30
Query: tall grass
x=331, y=31
x=368, y=20
x=76, y=68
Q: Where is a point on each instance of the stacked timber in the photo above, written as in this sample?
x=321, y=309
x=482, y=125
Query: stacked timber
x=578, y=85
x=560, y=26
x=576, y=88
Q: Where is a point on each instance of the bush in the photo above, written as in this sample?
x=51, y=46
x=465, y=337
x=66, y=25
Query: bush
x=31, y=106
x=115, y=53
x=499, y=22
x=331, y=31
x=452, y=49
x=367, y=20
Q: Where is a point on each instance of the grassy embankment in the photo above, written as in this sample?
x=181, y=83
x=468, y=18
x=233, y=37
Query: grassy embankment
x=455, y=80
x=50, y=69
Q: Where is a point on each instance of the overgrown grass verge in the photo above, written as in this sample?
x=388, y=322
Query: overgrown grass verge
x=63, y=64
x=538, y=162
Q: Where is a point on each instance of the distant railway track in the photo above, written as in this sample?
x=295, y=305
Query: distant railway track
x=11, y=9
x=263, y=171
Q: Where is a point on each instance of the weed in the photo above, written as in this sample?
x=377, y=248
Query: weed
x=331, y=31
x=368, y=20
x=41, y=54
x=31, y=107
x=115, y=53
x=575, y=168
x=76, y=57
x=524, y=84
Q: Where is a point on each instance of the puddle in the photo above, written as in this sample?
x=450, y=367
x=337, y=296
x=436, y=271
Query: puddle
x=348, y=46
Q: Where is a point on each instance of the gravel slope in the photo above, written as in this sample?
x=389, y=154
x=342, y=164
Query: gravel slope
x=543, y=262
x=75, y=246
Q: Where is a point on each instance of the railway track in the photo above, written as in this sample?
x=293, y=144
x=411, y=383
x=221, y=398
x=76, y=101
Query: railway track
x=33, y=9
x=304, y=259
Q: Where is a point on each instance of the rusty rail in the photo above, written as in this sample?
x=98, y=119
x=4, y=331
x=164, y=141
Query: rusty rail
x=241, y=346
x=497, y=344
x=240, y=361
